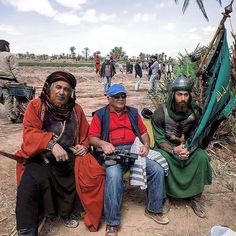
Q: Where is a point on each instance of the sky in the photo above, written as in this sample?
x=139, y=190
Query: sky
x=148, y=26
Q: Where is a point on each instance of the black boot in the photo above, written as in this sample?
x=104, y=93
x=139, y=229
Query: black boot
x=28, y=232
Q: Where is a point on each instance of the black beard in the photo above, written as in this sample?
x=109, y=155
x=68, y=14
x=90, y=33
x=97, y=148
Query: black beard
x=181, y=107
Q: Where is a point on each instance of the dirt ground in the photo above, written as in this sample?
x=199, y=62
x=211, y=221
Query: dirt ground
x=220, y=197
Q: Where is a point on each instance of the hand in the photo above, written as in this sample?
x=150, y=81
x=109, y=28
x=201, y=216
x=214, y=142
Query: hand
x=144, y=150
x=59, y=152
x=181, y=151
x=80, y=150
x=107, y=148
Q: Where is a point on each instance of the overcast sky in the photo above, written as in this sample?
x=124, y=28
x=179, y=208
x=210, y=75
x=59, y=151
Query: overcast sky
x=148, y=26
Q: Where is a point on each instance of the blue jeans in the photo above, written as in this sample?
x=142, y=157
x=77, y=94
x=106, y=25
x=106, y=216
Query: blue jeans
x=114, y=190
x=107, y=83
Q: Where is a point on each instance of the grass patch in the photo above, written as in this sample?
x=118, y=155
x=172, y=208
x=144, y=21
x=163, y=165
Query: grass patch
x=55, y=64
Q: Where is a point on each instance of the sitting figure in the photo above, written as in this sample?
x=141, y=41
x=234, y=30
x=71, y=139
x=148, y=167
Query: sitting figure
x=173, y=123
x=8, y=73
x=55, y=143
x=116, y=127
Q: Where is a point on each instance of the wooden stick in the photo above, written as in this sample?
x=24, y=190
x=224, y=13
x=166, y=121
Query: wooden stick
x=3, y=219
x=228, y=10
x=41, y=225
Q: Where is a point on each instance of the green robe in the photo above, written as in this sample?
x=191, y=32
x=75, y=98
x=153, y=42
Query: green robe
x=186, y=178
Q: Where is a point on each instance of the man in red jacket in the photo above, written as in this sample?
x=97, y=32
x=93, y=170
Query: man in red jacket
x=55, y=145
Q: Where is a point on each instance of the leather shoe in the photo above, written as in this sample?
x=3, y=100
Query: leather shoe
x=197, y=206
x=166, y=206
x=111, y=230
x=157, y=217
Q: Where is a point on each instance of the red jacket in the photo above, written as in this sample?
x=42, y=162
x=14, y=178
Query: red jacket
x=89, y=175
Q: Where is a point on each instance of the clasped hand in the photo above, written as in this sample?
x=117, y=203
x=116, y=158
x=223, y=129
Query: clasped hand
x=181, y=151
x=61, y=155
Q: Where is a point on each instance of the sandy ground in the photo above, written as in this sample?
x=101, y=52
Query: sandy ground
x=220, y=197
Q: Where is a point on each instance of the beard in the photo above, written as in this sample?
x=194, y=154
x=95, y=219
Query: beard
x=181, y=107
x=58, y=101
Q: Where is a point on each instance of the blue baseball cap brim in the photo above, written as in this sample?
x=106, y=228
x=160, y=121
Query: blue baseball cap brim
x=115, y=89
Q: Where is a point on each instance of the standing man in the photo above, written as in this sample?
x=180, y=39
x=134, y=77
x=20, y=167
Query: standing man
x=97, y=63
x=138, y=75
x=155, y=67
x=115, y=127
x=173, y=123
x=55, y=150
x=107, y=72
x=8, y=74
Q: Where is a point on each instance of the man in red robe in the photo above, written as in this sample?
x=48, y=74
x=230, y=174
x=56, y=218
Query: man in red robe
x=58, y=166
x=97, y=63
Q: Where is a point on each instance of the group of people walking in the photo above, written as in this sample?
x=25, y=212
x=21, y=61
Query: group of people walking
x=154, y=69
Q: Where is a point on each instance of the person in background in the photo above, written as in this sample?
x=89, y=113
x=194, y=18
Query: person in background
x=155, y=75
x=138, y=75
x=8, y=73
x=97, y=63
x=107, y=72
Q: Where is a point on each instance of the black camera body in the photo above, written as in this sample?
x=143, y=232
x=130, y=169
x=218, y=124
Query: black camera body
x=123, y=157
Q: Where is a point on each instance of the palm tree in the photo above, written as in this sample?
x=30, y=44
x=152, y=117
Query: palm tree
x=200, y=4
x=72, y=49
x=96, y=53
x=118, y=53
x=86, y=53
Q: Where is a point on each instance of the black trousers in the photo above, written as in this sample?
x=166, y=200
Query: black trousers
x=45, y=189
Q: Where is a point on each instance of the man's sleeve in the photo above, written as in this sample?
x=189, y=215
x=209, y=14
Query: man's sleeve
x=35, y=140
x=141, y=125
x=95, y=127
x=158, y=121
x=14, y=67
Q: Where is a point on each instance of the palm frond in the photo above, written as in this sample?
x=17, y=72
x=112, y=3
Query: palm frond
x=186, y=2
x=219, y=2
x=201, y=6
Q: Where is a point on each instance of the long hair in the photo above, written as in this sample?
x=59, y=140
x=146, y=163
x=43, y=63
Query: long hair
x=3, y=44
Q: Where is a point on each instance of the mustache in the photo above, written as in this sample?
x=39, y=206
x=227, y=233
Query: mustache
x=60, y=96
x=182, y=102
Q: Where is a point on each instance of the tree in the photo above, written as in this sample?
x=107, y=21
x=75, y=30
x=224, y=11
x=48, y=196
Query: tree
x=142, y=56
x=72, y=49
x=86, y=53
x=96, y=53
x=200, y=4
x=118, y=53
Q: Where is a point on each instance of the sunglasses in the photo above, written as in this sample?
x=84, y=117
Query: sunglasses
x=119, y=95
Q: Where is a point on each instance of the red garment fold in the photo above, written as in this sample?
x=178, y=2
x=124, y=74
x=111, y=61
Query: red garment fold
x=90, y=180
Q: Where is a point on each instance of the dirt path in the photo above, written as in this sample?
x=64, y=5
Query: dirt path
x=220, y=199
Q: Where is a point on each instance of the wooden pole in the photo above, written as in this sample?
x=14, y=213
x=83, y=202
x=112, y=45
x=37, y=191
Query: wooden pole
x=226, y=14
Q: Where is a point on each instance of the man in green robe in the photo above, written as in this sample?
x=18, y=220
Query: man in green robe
x=173, y=123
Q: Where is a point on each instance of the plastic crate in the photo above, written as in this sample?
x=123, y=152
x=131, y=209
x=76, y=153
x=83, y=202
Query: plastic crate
x=21, y=90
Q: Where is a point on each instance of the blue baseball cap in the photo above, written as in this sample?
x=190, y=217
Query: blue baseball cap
x=115, y=89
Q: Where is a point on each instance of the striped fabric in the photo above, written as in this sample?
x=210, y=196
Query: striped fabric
x=138, y=175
